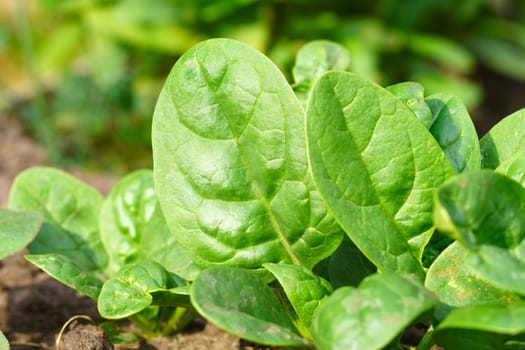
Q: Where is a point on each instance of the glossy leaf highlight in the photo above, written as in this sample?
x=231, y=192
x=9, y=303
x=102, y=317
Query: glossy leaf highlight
x=4, y=344
x=498, y=323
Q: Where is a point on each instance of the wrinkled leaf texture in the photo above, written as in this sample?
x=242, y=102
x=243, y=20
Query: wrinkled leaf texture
x=376, y=167
x=230, y=162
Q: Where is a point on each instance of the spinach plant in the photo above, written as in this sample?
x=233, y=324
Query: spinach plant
x=331, y=213
x=337, y=215
x=116, y=250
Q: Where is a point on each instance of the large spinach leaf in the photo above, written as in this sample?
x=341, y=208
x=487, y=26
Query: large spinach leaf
x=230, y=162
x=376, y=167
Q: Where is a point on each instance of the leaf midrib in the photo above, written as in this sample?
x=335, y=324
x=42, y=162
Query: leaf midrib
x=258, y=191
x=379, y=201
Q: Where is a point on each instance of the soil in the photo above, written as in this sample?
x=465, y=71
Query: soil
x=34, y=307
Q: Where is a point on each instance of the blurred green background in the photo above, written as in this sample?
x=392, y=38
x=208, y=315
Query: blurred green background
x=82, y=76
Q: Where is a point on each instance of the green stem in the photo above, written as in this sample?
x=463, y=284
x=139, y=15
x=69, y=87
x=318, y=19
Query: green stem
x=179, y=319
x=298, y=323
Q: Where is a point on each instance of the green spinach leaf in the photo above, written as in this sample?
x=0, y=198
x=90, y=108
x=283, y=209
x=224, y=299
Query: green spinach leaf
x=133, y=228
x=304, y=289
x=130, y=290
x=455, y=132
x=66, y=271
x=488, y=326
x=483, y=210
x=514, y=167
x=234, y=181
x=238, y=301
x=71, y=210
x=315, y=58
x=17, y=229
x=376, y=167
x=371, y=316
x=348, y=266
x=456, y=284
x=413, y=96
x=504, y=140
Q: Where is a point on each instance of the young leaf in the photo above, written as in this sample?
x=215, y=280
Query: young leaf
x=130, y=290
x=504, y=140
x=230, y=162
x=454, y=130
x=71, y=212
x=133, y=228
x=239, y=302
x=455, y=282
x=413, y=96
x=371, y=316
x=481, y=208
x=315, y=58
x=503, y=268
x=498, y=322
x=66, y=271
x=376, y=167
x=17, y=229
x=304, y=289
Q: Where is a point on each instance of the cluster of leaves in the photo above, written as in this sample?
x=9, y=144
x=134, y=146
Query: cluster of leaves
x=103, y=61
x=116, y=250
x=333, y=213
